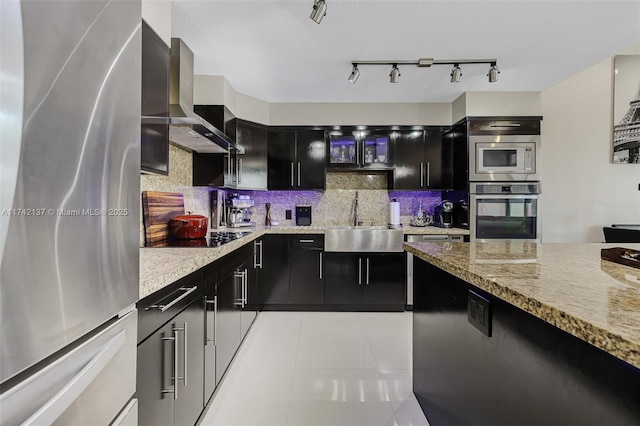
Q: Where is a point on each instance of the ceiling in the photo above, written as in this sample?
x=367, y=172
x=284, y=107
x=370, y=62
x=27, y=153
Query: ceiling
x=273, y=51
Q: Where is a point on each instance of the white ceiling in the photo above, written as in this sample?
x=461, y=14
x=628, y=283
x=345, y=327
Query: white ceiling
x=273, y=51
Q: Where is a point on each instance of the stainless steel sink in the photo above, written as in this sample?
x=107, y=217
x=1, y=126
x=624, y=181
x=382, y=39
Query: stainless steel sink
x=362, y=239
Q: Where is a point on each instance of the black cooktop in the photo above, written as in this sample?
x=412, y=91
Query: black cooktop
x=213, y=239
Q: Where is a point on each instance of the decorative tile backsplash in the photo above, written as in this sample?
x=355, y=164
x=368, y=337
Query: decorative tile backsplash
x=331, y=207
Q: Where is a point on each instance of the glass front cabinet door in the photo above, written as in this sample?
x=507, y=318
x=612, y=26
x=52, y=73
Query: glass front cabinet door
x=360, y=149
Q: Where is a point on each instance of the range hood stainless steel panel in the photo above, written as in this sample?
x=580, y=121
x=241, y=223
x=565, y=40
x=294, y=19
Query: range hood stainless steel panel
x=186, y=128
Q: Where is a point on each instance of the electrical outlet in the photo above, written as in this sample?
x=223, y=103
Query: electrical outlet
x=478, y=313
x=287, y=214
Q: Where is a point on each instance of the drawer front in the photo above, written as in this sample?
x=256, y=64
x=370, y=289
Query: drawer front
x=306, y=241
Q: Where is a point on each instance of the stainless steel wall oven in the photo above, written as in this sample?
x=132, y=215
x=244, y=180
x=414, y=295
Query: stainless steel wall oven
x=505, y=211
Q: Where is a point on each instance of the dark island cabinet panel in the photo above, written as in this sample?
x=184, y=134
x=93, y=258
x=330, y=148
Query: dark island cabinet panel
x=154, y=137
x=344, y=280
x=461, y=375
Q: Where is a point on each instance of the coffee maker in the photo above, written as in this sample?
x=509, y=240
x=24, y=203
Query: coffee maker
x=461, y=214
x=443, y=214
x=239, y=211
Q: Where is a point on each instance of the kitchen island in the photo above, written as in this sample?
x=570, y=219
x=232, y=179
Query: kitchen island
x=524, y=333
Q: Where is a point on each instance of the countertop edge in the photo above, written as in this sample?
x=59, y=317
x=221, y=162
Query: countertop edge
x=612, y=343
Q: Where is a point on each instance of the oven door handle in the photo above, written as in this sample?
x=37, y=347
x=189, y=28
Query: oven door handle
x=505, y=196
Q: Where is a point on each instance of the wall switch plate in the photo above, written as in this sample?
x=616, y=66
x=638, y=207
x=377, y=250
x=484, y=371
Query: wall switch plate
x=478, y=313
x=287, y=214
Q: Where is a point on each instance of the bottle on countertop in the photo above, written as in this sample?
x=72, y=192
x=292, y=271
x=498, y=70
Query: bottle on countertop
x=267, y=219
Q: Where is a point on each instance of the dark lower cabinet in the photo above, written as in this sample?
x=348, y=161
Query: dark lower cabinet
x=306, y=269
x=170, y=381
x=524, y=371
x=366, y=280
x=228, y=319
x=273, y=276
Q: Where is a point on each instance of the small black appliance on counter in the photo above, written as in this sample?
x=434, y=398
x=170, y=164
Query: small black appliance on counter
x=461, y=214
x=443, y=214
x=303, y=215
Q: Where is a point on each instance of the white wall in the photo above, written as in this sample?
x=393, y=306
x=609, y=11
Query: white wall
x=157, y=13
x=502, y=103
x=360, y=113
x=459, y=108
x=582, y=190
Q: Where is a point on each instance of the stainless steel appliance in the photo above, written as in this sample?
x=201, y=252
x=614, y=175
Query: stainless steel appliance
x=504, y=158
x=239, y=211
x=505, y=211
x=69, y=228
x=303, y=215
x=427, y=238
x=218, y=200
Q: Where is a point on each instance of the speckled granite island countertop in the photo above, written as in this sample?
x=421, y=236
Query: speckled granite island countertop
x=566, y=285
x=160, y=267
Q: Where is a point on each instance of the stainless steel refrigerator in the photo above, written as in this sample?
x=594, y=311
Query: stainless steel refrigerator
x=69, y=215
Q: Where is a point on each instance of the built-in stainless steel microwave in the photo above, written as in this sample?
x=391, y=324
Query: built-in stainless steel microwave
x=504, y=158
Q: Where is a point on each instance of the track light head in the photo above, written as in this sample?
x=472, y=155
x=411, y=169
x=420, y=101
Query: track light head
x=395, y=74
x=456, y=73
x=355, y=73
x=493, y=73
x=319, y=10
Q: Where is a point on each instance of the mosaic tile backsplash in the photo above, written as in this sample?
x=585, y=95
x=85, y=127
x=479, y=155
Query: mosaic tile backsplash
x=332, y=207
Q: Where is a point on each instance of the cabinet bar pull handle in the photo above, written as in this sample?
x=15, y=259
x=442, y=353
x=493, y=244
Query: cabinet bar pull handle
x=367, y=271
x=163, y=308
x=239, y=170
x=206, y=320
x=174, y=391
x=320, y=265
x=298, y=173
x=505, y=125
x=256, y=263
x=421, y=175
x=240, y=301
x=215, y=319
x=292, y=184
x=359, y=271
x=185, y=354
x=246, y=287
x=307, y=241
x=428, y=174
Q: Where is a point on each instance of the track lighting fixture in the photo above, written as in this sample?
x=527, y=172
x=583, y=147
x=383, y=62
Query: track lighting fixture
x=493, y=73
x=355, y=73
x=394, y=74
x=456, y=72
x=319, y=10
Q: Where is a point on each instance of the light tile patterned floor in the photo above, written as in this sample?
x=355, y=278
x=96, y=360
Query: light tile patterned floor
x=321, y=368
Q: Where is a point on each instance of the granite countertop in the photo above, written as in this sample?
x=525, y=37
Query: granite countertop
x=160, y=267
x=566, y=285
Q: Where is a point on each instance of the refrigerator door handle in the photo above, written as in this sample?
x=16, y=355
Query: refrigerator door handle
x=59, y=403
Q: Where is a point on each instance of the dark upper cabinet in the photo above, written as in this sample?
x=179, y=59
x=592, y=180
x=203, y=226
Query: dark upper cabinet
x=424, y=159
x=458, y=138
x=370, y=149
x=250, y=167
x=154, y=138
x=296, y=159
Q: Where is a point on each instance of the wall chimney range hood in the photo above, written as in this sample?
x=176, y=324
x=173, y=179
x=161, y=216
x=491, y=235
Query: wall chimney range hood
x=186, y=128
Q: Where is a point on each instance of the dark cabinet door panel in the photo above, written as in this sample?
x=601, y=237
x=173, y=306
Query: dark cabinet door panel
x=227, y=322
x=274, y=275
x=384, y=279
x=344, y=282
x=438, y=160
x=306, y=284
x=310, y=159
x=190, y=339
x=154, y=375
x=281, y=153
x=252, y=165
x=409, y=171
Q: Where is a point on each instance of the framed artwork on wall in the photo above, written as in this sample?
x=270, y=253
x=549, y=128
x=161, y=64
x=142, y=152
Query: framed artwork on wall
x=626, y=110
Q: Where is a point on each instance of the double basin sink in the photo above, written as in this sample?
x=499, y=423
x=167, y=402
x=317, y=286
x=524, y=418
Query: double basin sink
x=363, y=239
